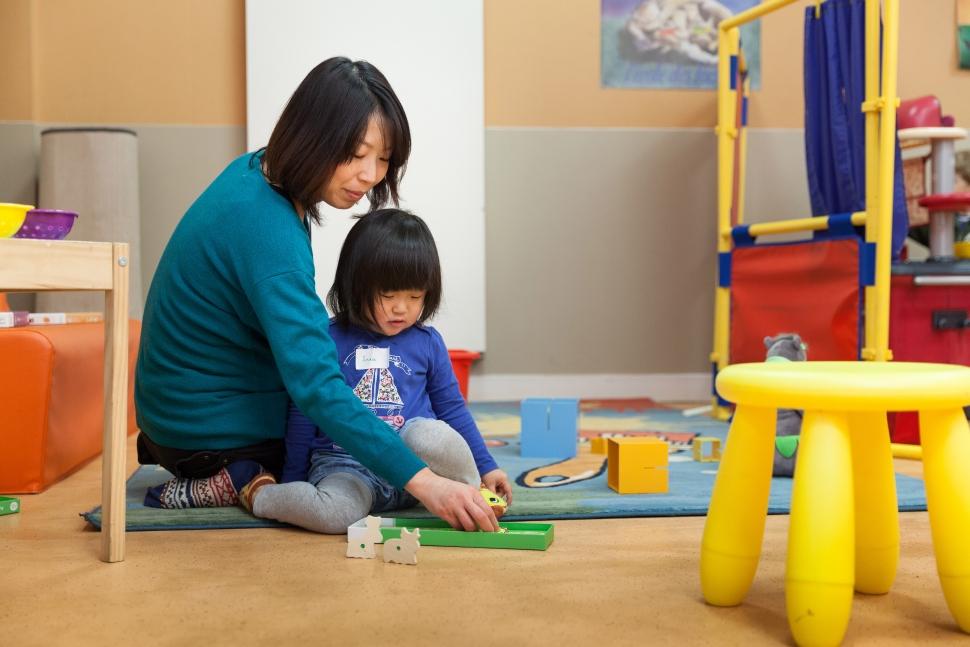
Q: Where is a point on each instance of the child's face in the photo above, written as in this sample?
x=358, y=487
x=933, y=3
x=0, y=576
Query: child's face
x=397, y=311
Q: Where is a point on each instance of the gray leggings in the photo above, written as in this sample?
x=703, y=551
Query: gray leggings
x=342, y=498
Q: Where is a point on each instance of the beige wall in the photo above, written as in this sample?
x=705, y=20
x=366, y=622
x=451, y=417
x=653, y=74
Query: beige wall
x=16, y=60
x=599, y=202
x=183, y=62
x=123, y=61
x=542, y=62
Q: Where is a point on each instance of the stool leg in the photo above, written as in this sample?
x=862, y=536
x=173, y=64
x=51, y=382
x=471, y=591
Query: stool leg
x=946, y=470
x=876, y=509
x=739, y=504
x=820, y=568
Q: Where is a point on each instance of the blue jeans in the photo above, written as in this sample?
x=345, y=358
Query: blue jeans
x=325, y=462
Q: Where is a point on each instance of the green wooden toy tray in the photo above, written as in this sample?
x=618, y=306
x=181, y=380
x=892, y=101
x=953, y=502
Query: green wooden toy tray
x=435, y=532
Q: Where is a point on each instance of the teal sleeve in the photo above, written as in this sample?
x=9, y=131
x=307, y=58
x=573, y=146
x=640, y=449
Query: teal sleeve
x=297, y=329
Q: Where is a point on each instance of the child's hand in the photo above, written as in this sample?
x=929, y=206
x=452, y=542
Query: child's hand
x=498, y=482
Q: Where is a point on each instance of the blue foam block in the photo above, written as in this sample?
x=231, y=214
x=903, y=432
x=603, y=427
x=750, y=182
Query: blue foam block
x=549, y=427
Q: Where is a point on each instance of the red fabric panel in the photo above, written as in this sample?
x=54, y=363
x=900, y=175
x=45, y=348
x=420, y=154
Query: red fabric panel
x=808, y=288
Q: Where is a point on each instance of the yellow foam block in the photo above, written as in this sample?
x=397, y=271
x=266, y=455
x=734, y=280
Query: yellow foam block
x=637, y=465
x=706, y=449
x=598, y=445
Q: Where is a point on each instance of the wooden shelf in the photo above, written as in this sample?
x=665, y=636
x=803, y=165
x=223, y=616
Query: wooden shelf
x=35, y=265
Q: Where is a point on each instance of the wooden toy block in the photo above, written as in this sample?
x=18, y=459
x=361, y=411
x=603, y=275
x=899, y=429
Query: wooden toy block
x=637, y=465
x=706, y=449
x=598, y=445
x=549, y=427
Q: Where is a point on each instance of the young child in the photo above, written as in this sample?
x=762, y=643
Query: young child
x=387, y=284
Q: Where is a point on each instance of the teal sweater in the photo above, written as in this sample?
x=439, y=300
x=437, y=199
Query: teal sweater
x=234, y=328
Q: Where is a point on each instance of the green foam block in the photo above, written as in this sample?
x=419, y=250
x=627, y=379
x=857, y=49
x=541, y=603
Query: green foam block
x=9, y=505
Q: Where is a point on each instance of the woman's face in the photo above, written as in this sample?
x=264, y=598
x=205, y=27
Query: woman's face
x=352, y=180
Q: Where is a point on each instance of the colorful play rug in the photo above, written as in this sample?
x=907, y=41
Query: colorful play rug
x=544, y=488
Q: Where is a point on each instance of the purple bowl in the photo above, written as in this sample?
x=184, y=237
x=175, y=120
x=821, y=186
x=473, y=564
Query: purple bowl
x=48, y=224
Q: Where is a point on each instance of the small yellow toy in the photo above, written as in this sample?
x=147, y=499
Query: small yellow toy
x=494, y=501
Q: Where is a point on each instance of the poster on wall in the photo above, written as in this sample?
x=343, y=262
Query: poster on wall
x=963, y=33
x=670, y=43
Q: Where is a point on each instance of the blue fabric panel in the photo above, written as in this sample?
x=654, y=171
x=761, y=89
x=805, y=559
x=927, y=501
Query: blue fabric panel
x=834, y=76
x=724, y=269
x=734, y=72
x=744, y=111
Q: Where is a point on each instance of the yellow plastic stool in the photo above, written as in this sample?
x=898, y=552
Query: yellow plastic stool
x=844, y=530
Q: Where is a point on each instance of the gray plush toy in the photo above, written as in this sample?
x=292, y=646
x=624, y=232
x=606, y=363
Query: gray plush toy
x=786, y=347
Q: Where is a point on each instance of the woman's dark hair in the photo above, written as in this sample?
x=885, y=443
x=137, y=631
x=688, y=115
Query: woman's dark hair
x=323, y=125
x=386, y=250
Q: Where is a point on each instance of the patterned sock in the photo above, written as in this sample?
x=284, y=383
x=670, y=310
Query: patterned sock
x=217, y=491
x=248, y=492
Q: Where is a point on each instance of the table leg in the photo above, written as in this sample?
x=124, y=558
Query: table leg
x=115, y=410
x=876, y=508
x=739, y=503
x=820, y=568
x=946, y=470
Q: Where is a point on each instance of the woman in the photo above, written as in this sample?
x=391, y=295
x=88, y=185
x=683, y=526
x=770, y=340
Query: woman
x=233, y=325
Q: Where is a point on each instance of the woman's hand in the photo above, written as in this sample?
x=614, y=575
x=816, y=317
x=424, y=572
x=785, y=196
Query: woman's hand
x=498, y=482
x=461, y=505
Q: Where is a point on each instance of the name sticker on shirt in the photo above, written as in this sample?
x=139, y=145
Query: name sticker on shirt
x=372, y=358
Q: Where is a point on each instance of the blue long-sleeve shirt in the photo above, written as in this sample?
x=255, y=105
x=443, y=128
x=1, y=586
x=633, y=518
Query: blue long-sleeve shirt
x=415, y=381
x=234, y=329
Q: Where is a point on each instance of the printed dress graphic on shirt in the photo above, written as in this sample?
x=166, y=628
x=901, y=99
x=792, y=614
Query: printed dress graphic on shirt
x=377, y=390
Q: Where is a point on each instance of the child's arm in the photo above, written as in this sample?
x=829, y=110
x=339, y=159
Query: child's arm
x=300, y=432
x=449, y=405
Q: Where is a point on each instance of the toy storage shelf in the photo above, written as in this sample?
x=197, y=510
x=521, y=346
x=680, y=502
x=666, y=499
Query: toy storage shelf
x=34, y=265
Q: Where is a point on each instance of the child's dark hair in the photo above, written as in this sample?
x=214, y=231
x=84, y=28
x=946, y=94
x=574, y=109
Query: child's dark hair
x=323, y=125
x=386, y=250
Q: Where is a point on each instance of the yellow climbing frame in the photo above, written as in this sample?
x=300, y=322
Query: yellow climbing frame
x=880, y=110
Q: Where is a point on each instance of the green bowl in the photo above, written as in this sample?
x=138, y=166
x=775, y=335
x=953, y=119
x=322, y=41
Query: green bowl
x=12, y=217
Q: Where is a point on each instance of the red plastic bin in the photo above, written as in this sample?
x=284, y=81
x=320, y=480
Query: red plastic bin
x=461, y=362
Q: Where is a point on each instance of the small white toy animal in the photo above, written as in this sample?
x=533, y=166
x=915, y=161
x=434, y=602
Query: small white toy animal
x=405, y=549
x=364, y=548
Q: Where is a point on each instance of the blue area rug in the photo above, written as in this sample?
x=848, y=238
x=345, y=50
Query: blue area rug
x=544, y=488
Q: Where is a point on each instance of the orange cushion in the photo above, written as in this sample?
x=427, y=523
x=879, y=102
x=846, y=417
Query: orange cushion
x=52, y=401
x=4, y=306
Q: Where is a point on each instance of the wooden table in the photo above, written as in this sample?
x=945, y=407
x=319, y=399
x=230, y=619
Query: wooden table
x=34, y=265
